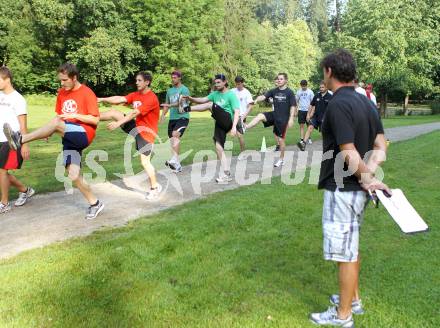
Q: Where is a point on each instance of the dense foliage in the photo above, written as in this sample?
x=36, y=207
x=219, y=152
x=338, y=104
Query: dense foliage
x=396, y=43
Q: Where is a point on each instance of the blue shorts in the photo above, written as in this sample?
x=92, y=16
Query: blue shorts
x=74, y=141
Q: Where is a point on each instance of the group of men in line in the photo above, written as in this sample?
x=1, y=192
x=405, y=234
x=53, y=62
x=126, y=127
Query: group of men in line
x=349, y=127
x=78, y=116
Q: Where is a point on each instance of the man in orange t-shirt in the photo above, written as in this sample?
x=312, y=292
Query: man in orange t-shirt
x=142, y=123
x=76, y=121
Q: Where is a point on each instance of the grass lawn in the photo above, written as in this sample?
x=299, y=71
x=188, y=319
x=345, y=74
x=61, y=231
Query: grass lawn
x=39, y=171
x=250, y=257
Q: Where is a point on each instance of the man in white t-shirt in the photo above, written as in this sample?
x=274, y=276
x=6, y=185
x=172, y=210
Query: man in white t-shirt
x=304, y=97
x=12, y=111
x=359, y=87
x=246, y=103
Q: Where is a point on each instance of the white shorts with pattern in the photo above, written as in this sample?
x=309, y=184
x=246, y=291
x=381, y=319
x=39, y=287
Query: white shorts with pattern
x=342, y=216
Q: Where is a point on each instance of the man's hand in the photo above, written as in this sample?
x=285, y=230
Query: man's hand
x=234, y=131
x=113, y=125
x=100, y=100
x=374, y=184
x=25, y=151
x=72, y=116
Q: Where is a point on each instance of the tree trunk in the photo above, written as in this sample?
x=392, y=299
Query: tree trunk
x=338, y=16
x=383, y=104
x=405, y=105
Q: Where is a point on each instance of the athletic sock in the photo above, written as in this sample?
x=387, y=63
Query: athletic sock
x=96, y=204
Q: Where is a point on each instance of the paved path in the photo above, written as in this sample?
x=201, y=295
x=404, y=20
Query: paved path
x=54, y=217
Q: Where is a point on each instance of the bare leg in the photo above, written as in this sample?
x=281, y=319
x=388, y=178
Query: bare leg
x=4, y=186
x=282, y=143
x=175, y=145
x=222, y=157
x=348, y=280
x=111, y=115
x=17, y=183
x=301, y=129
x=201, y=107
x=55, y=125
x=149, y=169
x=257, y=119
x=357, y=295
x=75, y=175
x=308, y=132
x=241, y=140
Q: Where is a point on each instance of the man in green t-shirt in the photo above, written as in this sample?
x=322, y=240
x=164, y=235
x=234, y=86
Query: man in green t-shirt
x=225, y=108
x=178, y=121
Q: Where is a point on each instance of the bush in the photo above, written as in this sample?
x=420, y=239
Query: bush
x=435, y=106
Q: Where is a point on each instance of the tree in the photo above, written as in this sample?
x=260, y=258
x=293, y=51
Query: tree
x=395, y=44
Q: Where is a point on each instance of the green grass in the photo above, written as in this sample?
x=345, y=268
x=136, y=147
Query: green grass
x=233, y=259
x=39, y=171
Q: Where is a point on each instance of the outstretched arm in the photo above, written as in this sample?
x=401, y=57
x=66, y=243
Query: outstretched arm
x=115, y=100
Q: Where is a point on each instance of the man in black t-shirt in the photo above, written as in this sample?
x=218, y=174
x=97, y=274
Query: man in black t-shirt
x=350, y=130
x=316, y=113
x=281, y=118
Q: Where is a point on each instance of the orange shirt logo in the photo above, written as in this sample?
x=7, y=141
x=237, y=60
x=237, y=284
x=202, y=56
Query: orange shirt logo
x=137, y=104
x=69, y=106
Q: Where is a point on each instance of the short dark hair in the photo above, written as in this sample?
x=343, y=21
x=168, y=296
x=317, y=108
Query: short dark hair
x=342, y=65
x=303, y=82
x=5, y=73
x=283, y=74
x=322, y=82
x=220, y=76
x=146, y=76
x=177, y=73
x=70, y=69
x=239, y=79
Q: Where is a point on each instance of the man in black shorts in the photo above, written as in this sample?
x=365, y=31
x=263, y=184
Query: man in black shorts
x=281, y=118
x=141, y=123
x=178, y=121
x=316, y=113
x=225, y=108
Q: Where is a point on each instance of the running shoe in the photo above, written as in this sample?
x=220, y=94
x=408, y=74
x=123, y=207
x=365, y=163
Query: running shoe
x=24, y=196
x=330, y=317
x=94, y=210
x=356, y=306
x=14, y=138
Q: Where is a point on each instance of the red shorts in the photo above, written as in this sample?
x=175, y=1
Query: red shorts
x=9, y=159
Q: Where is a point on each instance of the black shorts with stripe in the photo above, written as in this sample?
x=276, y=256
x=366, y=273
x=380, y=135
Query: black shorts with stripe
x=223, y=124
x=279, y=125
x=178, y=125
x=142, y=146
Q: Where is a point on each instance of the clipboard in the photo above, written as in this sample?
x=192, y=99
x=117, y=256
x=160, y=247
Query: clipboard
x=402, y=212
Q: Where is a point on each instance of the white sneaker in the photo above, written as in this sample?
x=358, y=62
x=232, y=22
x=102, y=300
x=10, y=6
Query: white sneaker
x=93, y=210
x=356, y=306
x=223, y=179
x=309, y=141
x=330, y=317
x=153, y=194
x=177, y=168
x=24, y=196
x=5, y=208
x=279, y=163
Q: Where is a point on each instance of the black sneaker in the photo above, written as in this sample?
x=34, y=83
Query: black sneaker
x=14, y=138
x=94, y=210
x=277, y=148
x=171, y=165
x=301, y=145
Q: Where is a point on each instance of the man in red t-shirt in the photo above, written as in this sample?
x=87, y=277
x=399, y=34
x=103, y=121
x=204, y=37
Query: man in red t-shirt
x=76, y=121
x=142, y=123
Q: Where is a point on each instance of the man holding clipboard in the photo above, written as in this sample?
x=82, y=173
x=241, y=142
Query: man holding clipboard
x=350, y=131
